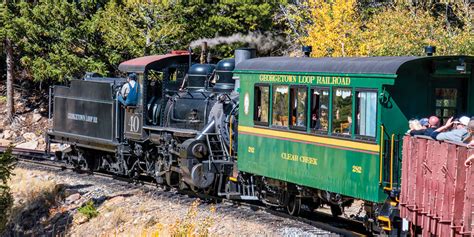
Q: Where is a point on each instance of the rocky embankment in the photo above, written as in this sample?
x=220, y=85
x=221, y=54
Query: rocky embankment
x=26, y=131
x=50, y=202
x=27, y=128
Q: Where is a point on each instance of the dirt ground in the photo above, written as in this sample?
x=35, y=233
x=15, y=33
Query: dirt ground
x=49, y=202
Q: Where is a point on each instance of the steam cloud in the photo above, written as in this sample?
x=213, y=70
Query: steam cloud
x=264, y=42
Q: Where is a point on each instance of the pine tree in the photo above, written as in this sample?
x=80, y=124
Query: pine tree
x=7, y=164
x=8, y=37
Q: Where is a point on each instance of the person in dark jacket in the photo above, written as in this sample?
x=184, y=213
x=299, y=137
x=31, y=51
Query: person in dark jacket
x=433, y=123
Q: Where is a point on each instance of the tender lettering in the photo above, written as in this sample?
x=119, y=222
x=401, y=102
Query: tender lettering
x=82, y=117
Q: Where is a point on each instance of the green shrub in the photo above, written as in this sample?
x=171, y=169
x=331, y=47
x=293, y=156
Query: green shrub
x=88, y=210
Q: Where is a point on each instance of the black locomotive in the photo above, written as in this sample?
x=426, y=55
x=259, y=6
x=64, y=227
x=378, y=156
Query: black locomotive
x=182, y=131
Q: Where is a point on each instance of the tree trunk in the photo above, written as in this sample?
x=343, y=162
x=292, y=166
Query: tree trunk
x=9, y=53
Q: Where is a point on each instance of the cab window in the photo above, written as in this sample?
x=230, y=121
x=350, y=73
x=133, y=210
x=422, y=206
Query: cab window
x=298, y=102
x=366, y=104
x=280, y=106
x=342, y=111
x=319, y=110
x=262, y=95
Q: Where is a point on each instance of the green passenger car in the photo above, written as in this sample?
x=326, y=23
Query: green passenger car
x=333, y=124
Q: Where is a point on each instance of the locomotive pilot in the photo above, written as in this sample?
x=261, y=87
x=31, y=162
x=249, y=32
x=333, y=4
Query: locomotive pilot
x=129, y=92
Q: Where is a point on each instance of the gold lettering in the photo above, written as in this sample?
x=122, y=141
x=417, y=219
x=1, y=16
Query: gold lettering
x=357, y=169
x=298, y=158
x=304, y=79
x=251, y=149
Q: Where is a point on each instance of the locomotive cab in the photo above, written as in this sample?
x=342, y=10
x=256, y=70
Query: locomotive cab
x=157, y=76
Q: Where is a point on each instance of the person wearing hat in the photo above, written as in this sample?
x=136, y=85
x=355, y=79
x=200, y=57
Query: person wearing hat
x=457, y=134
x=469, y=139
x=129, y=92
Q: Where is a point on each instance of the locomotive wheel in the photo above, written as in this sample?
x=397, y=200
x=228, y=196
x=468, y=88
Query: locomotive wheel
x=294, y=205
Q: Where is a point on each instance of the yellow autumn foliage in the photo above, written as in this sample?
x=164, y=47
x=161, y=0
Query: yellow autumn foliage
x=335, y=29
x=400, y=31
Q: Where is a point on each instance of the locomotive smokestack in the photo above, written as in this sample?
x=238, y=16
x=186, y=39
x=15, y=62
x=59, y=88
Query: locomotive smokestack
x=307, y=50
x=203, y=52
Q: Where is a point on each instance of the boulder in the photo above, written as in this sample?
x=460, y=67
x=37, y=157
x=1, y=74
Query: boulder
x=4, y=142
x=72, y=198
x=29, y=136
x=36, y=117
x=80, y=219
x=28, y=145
x=7, y=134
x=69, y=192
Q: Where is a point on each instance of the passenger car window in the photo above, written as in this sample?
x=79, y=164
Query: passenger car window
x=342, y=111
x=298, y=107
x=262, y=95
x=280, y=106
x=366, y=113
x=319, y=109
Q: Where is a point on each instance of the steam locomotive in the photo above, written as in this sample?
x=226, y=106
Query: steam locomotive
x=182, y=131
x=311, y=131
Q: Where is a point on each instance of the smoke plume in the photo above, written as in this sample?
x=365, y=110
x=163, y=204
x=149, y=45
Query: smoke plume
x=263, y=42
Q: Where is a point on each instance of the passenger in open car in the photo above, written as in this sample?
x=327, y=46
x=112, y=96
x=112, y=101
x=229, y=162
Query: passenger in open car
x=433, y=123
x=469, y=139
x=458, y=132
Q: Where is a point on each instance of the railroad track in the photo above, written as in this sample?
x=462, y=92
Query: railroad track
x=320, y=220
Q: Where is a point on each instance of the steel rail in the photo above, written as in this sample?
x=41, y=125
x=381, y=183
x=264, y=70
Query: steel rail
x=328, y=222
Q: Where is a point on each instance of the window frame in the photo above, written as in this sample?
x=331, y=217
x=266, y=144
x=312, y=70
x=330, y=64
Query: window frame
x=284, y=127
x=296, y=127
x=320, y=88
x=255, y=121
x=364, y=137
x=341, y=135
